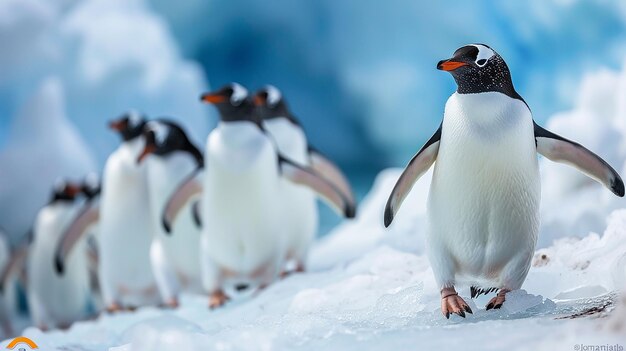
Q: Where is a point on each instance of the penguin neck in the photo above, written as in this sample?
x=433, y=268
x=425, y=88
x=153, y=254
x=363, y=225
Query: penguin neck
x=133, y=147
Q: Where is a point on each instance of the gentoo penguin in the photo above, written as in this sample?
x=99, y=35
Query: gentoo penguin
x=56, y=301
x=243, y=213
x=483, y=205
x=126, y=227
x=292, y=143
x=171, y=158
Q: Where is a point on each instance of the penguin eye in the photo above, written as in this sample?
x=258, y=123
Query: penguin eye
x=481, y=62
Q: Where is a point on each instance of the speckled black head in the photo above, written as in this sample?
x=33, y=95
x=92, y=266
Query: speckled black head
x=233, y=103
x=164, y=137
x=129, y=125
x=64, y=191
x=270, y=104
x=477, y=68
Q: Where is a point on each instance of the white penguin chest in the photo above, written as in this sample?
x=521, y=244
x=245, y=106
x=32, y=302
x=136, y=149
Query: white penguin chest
x=484, y=198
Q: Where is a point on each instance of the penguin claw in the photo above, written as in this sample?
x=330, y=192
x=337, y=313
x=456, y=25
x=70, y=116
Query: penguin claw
x=497, y=302
x=452, y=303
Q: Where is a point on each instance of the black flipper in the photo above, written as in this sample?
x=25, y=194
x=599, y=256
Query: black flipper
x=419, y=164
x=558, y=149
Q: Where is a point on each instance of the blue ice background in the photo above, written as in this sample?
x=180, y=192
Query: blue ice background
x=359, y=74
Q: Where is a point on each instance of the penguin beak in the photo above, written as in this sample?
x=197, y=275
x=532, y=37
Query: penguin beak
x=449, y=65
x=259, y=99
x=117, y=125
x=212, y=98
x=73, y=190
x=147, y=150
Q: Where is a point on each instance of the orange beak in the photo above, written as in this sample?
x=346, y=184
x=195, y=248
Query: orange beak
x=447, y=65
x=117, y=125
x=147, y=150
x=212, y=98
x=259, y=100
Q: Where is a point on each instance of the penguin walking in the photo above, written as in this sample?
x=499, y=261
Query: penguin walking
x=84, y=227
x=171, y=158
x=243, y=237
x=291, y=142
x=56, y=301
x=483, y=206
x=126, y=227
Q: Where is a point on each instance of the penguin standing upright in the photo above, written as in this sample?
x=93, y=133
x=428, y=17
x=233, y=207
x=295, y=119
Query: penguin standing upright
x=56, y=301
x=291, y=142
x=126, y=227
x=243, y=237
x=483, y=206
x=171, y=158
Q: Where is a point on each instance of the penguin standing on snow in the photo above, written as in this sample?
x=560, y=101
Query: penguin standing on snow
x=243, y=212
x=56, y=301
x=291, y=142
x=171, y=159
x=483, y=205
x=126, y=225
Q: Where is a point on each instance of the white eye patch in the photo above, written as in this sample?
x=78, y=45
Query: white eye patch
x=159, y=130
x=239, y=94
x=133, y=118
x=484, y=54
x=273, y=95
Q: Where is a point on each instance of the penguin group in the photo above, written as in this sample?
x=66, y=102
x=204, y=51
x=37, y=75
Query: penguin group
x=241, y=213
x=169, y=218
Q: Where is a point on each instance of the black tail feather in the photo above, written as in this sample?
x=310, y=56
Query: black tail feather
x=476, y=292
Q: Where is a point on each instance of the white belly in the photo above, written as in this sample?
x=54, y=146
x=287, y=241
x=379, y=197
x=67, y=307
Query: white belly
x=299, y=201
x=62, y=299
x=484, y=197
x=125, y=223
x=182, y=246
x=241, y=200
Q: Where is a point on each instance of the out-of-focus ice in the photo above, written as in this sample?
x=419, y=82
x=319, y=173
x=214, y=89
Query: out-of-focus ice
x=107, y=56
x=43, y=146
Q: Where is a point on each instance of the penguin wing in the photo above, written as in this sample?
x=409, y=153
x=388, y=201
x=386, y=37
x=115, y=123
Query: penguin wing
x=419, y=164
x=305, y=176
x=187, y=189
x=330, y=171
x=16, y=262
x=89, y=215
x=559, y=149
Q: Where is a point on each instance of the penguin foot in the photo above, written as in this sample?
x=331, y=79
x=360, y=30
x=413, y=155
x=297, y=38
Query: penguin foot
x=300, y=268
x=114, y=307
x=171, y=303
x=496, y=302
x=217, y=299
x=451, y=302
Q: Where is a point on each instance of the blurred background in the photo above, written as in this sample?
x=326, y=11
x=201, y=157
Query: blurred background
x=359, y=74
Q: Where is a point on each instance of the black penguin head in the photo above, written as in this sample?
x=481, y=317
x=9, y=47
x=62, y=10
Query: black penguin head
x=129, y=125
x=477, y=68
x=64, y=191
x=233, y=103
x=90, y=186
x=270, y=103
x=163, y=137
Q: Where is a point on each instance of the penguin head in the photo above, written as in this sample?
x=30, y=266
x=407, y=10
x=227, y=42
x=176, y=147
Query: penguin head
x=270, y=103
x=163, y=137
x=477, y=68
x=90, y=186
x=233, y=103
x=129, y=125
x=64, y=191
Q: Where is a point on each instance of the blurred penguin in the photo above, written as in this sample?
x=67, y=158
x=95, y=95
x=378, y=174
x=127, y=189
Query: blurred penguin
x=243, y=237
x=171, y=159
x=56, y=301
x=125, y=272
x=84, y=227
x=292, y=143
x=7, y=293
